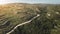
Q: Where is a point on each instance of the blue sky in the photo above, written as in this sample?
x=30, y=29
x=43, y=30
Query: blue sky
x=31, y=1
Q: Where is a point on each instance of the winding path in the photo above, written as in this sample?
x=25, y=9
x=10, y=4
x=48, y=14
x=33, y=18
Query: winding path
x=23, y=23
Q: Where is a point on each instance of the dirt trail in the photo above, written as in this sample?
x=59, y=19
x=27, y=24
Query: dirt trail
x=23, y=23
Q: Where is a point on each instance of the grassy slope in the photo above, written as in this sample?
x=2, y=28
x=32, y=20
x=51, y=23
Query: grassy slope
x=14, y=14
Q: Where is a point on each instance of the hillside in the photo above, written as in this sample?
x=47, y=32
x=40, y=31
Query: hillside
x=17, y=13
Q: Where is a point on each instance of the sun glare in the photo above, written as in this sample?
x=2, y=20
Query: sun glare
x=2, y=2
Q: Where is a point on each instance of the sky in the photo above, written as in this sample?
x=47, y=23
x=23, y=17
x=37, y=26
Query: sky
x=30, y=1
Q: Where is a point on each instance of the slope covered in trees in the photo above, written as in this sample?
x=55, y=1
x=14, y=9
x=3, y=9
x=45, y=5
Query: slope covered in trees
x=17, y=13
